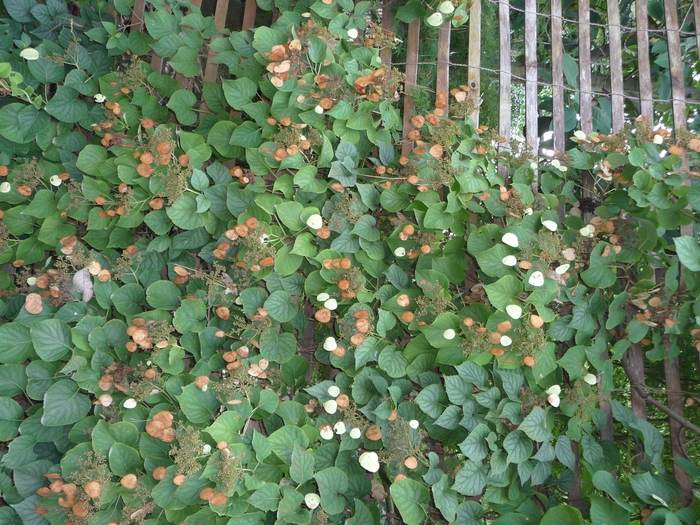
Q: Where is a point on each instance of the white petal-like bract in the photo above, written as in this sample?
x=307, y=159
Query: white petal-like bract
x=312, y=500
x=330, y=406
x=449, y=334
x=514, y=311
x=510, y=239
x=333, y=391
x=591, y=379
x=315, y=221
x=510, y=260
x=369, y=461
x=330, y=344
x=536, y=279
x=550, y=225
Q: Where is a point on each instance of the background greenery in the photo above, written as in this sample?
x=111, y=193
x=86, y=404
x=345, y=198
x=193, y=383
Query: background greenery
x=237, y=302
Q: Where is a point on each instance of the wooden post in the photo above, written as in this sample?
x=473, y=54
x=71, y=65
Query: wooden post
x=442, y=84
x=387, y=27
x=531, y=135
x=504, y=81
x=411, y=79
x=615, y=37
x=474, y=71
x=211, y=69
x=585, y=100
x=645, y=94
x=251, y=9
x=137, y=16
x=557, y=79
x=674, y=400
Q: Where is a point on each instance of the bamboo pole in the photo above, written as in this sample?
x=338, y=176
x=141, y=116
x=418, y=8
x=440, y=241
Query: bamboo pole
x=411, y=80
x=645, y=93
x=474, y=58
x=504, y=82
x=615, y=37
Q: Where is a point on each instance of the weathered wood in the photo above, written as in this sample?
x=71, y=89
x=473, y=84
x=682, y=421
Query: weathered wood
x=474, y=58
x=411, y=79
x=211, y=70
x=645, y=93
x=615, y=38
x=675, y=63
x=531, y=74
x=674, y=401
x=557, y=79
x=137, y=16
x=504, y=81
x=584, y=53
x=387, y=27
x=442, y=84
x=251, y=9
x=696, y=14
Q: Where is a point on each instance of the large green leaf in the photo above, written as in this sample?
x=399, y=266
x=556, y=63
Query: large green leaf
x=688, y=252
x=280, y=306
x=64, y=404
x=184, y=214
x=11, y=415
x=607, y=512
x=51, y=339
x=64, y=106
x=282, y=442
x=412, y=499
x=199, y=406
x=332, y=483
x=15, y=343
x=471, y=479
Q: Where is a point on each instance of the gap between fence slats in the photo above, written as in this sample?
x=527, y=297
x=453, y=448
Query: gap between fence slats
x=615, y=41
x=645, y=93
x=531, y=135
x=559, y=137
x=411, y=79
x=442, y=84
x=504, y=98
x=474, y=58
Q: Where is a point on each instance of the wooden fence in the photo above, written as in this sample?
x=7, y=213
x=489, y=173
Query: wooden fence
x=618, y=92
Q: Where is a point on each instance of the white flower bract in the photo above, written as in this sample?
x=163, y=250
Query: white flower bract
x=326, y=432
x=509, y=260
x=369, y=461
x=550, y=225
x=339, y=428
x=562, y=269
x=435, y=19
x=333, y=391
x=315, y=221
x=319, y=110
x=352, y=34
x=100, y=98
x=414, y=424
x=510, y=239
x=330, y=344
x=446, y=7
x=400, y=251
x=331, y=304
x=536, y=279
x=506, y=341
x=130, y=403
x=206, y=449
x=580, y=135
x=5, y=187
x=330, y=406
x=312, y=500
x=29, y=53
x=553, y=395
x=514, y=311
x=658, y=139
x=449, y=334
x=355, y=433
x=591, y=379
x=322, y=297
x=55, y=180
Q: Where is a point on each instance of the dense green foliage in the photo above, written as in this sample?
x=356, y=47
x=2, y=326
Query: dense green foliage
x=326, y=330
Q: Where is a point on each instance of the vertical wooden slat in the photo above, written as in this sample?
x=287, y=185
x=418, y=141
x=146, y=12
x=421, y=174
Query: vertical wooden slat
x=585, y=101
x=251, y=9
x=504, y=80
x=675, y=61
x=584, y=53
x=474, y=71
x=387, y=27
x=557, y=79
x=411, y=79
x=442, y=84
x=615, y=37
x=137, y=17
x=531, y=74
x=645, y=93
x=696, y=13
x=674, y=400
x=211, y=69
